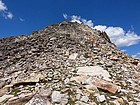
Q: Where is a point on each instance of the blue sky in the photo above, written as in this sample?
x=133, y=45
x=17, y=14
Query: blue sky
x=119, y=18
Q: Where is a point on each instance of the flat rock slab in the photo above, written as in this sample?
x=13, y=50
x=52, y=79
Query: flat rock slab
x=33, y=78
x=96, y=71
x=105, y=85
x=5, y=97
x=99, y=83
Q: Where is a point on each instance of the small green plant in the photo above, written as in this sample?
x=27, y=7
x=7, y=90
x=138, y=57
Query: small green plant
x=15, y=91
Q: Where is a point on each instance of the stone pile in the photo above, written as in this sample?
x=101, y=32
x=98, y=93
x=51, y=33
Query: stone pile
x=58, y=66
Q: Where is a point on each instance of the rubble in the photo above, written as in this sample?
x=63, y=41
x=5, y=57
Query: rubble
x=58, y=66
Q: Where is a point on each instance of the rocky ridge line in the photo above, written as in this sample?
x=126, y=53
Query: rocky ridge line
x=58, y=66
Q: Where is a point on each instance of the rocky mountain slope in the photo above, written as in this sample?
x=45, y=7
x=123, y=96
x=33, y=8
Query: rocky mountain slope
x=59, y=66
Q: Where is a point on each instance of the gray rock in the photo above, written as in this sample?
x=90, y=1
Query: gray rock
x=101, y=98
x=84, y=99
x=66, y=80
x=45, y=92
x=109, y=64
x=73, y=56
x=138, y=65
x=57, y=97
x=78, y=96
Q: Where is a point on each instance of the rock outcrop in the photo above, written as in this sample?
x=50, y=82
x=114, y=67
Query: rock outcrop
x=58, y=66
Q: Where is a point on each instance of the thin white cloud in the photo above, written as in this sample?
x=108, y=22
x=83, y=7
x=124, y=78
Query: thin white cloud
x=21, y=19
x=78, y=19
x=65, y=16
x=4, y=11
x=132, y=27
x=119, y=37
x=87, y=22
x=9, y=15
x=136, y=55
